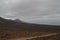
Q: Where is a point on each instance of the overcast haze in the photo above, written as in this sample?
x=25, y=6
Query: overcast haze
x=36, y=11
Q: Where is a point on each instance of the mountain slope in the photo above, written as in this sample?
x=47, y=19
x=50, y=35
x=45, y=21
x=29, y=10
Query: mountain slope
x=11, y=29
x=27, y=26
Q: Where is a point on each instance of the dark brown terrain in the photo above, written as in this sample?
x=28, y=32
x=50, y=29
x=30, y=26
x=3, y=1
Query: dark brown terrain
x=10, y=29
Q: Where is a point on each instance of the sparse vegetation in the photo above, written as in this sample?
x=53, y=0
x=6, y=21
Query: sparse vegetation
x=53, y=37
x=10, y=29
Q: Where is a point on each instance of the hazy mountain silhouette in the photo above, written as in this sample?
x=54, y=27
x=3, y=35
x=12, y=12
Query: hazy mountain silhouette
x=18, y=21
x=26, y=26
x=16, y=29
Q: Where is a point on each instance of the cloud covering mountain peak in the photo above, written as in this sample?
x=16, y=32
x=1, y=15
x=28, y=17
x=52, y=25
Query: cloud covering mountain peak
x=30, y=10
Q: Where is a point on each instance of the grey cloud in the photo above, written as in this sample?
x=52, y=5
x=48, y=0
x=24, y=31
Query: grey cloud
x=46, y=11
x=36, y=8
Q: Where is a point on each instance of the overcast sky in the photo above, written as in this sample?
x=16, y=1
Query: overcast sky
x=36, y=11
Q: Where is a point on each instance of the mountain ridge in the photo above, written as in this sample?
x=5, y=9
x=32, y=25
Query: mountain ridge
x=26, y=26
x=9, y=29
